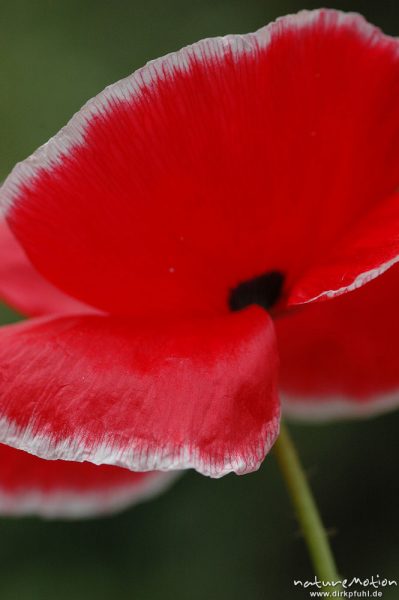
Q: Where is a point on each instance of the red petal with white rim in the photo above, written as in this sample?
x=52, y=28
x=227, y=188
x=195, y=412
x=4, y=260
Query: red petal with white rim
x=370, y=249
x=216, y=164
x=32, y=486
x=164, y=396
x=23, y=288
x=341, y=358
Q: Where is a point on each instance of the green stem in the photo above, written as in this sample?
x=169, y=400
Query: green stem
x=306, y=510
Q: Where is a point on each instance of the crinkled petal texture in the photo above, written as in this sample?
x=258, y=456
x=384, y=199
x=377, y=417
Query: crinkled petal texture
x=228, y=159
x=163, y=396
x=24, y=288
x=32, y=486
x=341, y=358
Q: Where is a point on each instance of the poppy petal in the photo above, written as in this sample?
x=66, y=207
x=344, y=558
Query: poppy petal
x=341, y=358
x=370, y=249
x=32, y=486
x=23, y=288
x=164, y=396
x=229, y=159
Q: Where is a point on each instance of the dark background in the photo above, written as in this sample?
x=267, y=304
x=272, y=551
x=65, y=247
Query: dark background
x=230, y=539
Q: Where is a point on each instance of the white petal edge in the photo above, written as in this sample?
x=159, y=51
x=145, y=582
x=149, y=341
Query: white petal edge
x=139, y=458
x=68, y=504
x=336, y=408
x=358, y=282
x=73, y=134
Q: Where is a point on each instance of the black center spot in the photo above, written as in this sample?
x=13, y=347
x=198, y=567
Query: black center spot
x=264, y=290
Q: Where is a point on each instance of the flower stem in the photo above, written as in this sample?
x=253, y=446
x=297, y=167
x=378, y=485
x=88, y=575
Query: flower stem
x=306, y=510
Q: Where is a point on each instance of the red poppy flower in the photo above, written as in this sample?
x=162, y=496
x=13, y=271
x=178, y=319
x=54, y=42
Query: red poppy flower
x=198, y=208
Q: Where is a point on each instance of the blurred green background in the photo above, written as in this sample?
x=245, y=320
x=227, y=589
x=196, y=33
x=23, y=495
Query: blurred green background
x=230, y=539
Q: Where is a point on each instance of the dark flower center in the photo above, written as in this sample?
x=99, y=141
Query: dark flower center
x=264, y=290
